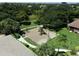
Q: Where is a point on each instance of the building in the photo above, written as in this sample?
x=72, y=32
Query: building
x=9, y=46
x=74, y=26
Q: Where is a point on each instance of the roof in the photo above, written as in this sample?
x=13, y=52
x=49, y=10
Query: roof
x=9, y=46
x=74, y=24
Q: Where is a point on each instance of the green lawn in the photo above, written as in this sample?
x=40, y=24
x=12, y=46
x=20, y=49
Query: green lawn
x=72, y=40
x=33, y=19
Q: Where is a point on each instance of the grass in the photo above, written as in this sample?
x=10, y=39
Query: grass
x=30, y=41
x=33, y=18
x=31, y=26
x=27, y=26
x=16, y=35
x=71, y=43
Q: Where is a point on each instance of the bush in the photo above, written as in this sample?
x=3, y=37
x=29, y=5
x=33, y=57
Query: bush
x=26, y=23
x=16, y=35
x=45, y=50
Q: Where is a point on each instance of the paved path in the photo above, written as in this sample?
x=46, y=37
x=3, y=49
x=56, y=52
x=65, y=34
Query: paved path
x=21, y=39
x=62, y=50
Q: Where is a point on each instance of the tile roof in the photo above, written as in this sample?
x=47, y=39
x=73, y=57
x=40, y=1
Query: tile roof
x=74, y=24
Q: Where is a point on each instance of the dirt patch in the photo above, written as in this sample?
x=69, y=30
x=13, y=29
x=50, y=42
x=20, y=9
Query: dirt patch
x=34, y=34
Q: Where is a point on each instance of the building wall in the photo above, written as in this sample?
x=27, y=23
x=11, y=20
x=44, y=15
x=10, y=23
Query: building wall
x=74, y=29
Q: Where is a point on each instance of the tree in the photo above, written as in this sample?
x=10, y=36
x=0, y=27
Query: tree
x=22, y=17
x=8, y=26
x=57, y=16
